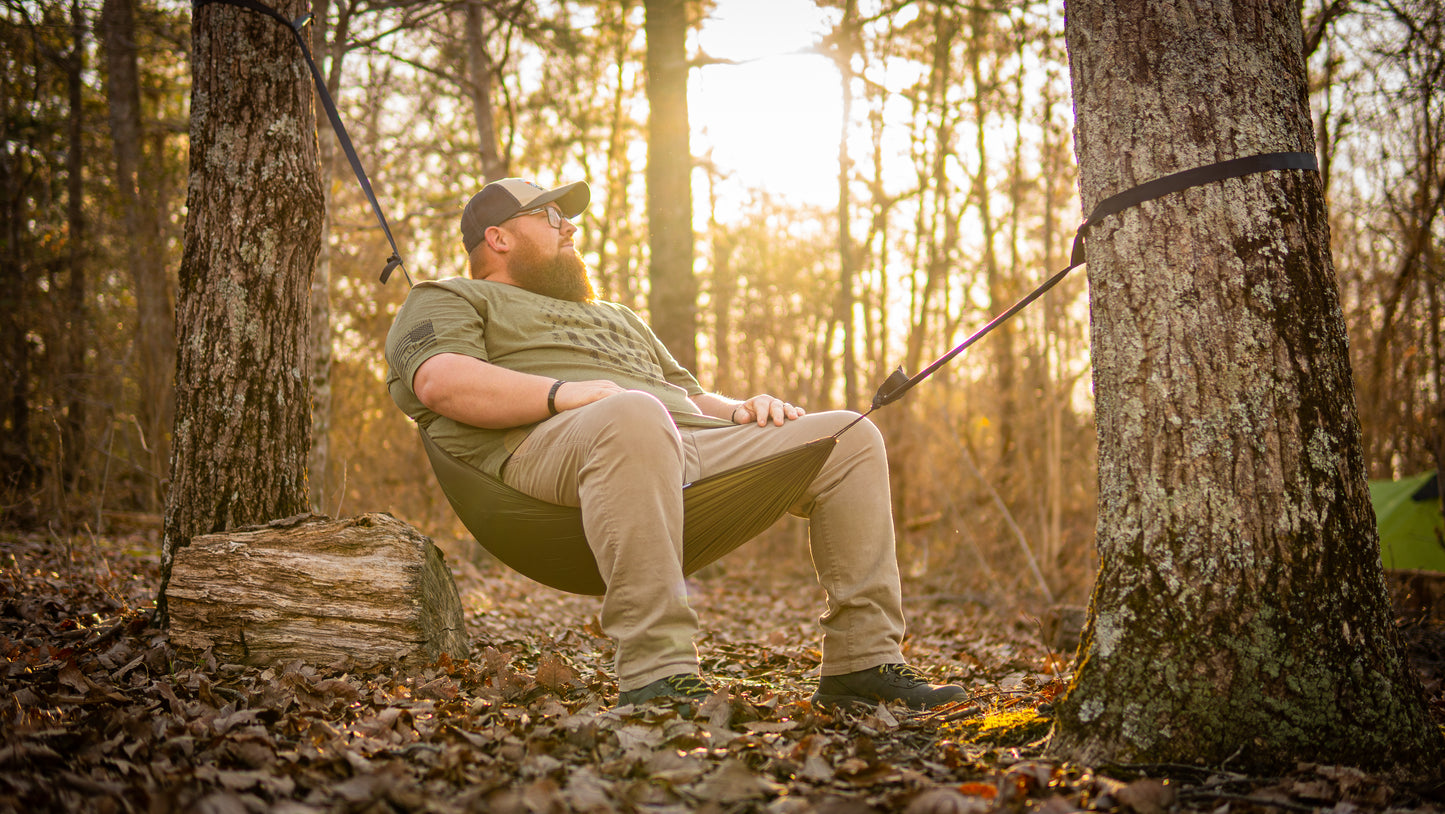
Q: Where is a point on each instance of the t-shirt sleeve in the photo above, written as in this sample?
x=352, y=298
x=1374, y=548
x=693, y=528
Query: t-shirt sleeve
x=433, y=320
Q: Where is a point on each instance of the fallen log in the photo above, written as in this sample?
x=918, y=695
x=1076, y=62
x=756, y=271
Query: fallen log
x=363, y=591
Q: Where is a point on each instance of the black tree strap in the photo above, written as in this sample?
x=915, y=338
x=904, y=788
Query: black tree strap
x=899, y=382
x=395, y=260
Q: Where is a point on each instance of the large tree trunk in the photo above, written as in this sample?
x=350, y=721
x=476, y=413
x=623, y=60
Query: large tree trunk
x=672, y=300
x=155, y=315
x=243, y=395
x=1240, y=613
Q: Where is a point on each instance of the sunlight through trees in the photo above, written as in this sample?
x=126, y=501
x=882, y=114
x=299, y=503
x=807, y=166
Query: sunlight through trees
x=955, y=195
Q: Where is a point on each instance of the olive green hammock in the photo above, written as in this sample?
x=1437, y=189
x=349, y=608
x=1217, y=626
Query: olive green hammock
x=545, y=541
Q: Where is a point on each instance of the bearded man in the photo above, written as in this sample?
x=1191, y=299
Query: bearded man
x=521, y=372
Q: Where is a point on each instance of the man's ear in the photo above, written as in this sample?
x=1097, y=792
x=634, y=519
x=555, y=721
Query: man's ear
x=498, y=239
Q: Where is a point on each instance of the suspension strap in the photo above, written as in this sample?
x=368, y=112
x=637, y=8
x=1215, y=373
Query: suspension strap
x=395, y=260
x=899, y=382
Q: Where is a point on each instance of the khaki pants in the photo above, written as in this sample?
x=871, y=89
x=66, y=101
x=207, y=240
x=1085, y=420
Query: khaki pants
x=623, y=461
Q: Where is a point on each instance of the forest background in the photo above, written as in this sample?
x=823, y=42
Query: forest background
x=947, y=192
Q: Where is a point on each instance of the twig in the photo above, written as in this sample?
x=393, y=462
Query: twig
x=1157, y=769
x=1244, y=798
x=1008, y=517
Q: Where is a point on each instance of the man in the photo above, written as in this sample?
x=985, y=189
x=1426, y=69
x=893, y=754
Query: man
x=521, y=372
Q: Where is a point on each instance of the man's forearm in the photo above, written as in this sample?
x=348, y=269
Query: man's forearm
x=717, y=406
x=474, y=392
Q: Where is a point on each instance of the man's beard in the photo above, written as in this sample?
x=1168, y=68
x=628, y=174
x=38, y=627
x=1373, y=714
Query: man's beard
x=562, y=277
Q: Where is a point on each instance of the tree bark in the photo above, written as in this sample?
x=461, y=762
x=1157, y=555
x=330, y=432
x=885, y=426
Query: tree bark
x=480, y=73
x=672, y=299
x=1002, y=351
x=1240, y=611
x=848, y=35
x=155, y=313
x=243, y=396
x=333, y=37
x=74, y=321
x=19, y=464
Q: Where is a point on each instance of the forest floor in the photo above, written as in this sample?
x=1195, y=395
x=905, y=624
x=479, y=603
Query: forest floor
x=99, y=714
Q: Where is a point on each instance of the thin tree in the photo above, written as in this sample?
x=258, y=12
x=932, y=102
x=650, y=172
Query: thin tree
x=1240, y=612
x=481, y=73
x=672, y=299
x=332, y=30
x=243, y=394
x=155, y=313
x=846, y=41
x=74, y=319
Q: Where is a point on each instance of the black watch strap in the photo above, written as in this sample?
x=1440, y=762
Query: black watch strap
x=552, y=397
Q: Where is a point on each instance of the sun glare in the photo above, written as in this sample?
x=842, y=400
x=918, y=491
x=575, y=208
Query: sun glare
x=771, y=120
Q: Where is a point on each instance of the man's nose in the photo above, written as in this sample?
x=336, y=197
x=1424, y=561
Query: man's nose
x=568, y=228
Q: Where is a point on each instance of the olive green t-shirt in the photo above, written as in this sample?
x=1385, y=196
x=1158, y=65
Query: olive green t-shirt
x=517, y=329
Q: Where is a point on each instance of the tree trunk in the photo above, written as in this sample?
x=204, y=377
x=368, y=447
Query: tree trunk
x=333, y=38
x=480, y=72
x=19, y=472
x=615, y=235
x=73, y=320
x=1240, y=612
x=243, y=395
x=1002, y=353
x=155, y=315
x=672, y=301
x=847, y=32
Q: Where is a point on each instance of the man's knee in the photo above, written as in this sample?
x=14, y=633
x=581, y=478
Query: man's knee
x=861, y=435
x=866, y=434
x=635, y=422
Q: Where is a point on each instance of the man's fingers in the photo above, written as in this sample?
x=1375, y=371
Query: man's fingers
x=779, y=412
x=765, y=409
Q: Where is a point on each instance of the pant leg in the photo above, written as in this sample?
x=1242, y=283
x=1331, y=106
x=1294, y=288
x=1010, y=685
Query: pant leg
x=621, y=460
x=850, y=529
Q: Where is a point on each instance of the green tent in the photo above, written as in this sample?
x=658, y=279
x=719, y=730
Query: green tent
x=1408, y=514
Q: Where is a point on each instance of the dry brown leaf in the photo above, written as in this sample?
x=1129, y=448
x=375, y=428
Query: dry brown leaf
x=733, y=782
x=442, y=688
x=946, y=801
x=554, y=674
x=1147, y=796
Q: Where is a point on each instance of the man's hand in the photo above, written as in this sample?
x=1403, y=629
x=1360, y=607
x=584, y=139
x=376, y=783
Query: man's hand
x=572, y=395
x=764, y=408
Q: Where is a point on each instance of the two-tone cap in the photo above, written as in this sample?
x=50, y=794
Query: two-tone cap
x=502, y=199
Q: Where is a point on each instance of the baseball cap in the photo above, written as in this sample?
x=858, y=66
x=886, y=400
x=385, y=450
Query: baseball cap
x=502, y=199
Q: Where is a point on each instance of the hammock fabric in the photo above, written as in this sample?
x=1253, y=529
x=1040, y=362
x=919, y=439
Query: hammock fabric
x=546, y=542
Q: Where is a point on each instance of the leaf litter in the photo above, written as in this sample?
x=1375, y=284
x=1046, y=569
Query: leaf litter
x=100, y=714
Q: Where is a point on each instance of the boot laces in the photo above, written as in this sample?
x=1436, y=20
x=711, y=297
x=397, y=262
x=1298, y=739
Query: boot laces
x=689, y=684
x=907, y=673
